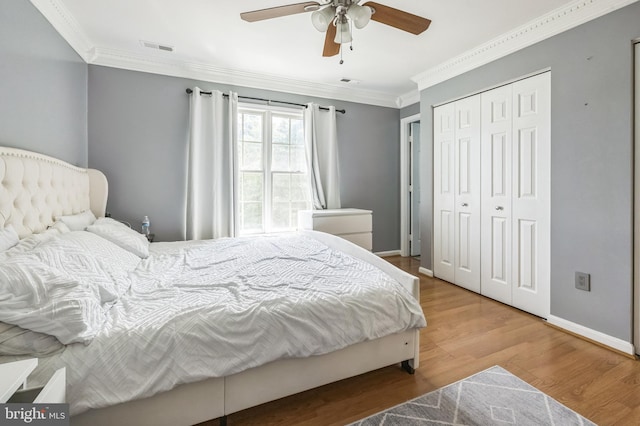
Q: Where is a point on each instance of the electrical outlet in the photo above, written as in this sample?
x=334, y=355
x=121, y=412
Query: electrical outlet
x=583, y=281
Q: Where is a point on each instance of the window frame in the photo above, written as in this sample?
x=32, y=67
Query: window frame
x=267, y=112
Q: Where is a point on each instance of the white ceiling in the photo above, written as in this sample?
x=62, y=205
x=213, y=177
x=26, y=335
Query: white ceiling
x=210, y=38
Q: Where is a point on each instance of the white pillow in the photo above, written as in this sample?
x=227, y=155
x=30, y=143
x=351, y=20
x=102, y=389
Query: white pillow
x=78, y=222
x=58, y=227
x=91, y=259
x=39, y=298
x=8, y=238
x=29, y=243
x=16, y=341
x=120, y=234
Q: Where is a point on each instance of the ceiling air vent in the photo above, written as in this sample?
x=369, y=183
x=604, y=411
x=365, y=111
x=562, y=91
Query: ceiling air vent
x=157, y=46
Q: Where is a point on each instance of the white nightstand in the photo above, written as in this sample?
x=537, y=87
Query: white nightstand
x=13, y=377
x=354, y=225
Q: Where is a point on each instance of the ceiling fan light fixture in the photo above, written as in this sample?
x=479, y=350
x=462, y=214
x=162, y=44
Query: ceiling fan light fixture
x=322, y=18
x=360, y=15
x=343, y=32
x=337, y=18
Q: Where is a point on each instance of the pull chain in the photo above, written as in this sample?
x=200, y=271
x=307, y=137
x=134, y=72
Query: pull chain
x=341, y=61
x=351, y=29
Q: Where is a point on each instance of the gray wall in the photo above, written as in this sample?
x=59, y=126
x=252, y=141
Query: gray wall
x=591, y=162
x=410, y=110
x=43, y=86
x=138, y=125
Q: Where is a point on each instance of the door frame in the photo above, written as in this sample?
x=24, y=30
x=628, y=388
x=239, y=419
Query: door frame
x=405, y=170
x=636, y=197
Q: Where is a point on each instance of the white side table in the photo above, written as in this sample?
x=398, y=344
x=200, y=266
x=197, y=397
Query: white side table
x=13, y=384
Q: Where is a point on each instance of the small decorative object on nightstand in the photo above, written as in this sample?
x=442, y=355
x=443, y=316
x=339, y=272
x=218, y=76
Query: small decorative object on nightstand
x=13, y=377
x=354, y=225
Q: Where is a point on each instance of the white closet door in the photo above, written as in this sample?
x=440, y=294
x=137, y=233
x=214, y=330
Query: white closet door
x=467, y=193
x=531, y=161
x=496, y=157
x=443, y=192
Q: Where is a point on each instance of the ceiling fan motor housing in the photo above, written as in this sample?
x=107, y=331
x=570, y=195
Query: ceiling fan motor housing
x=339, y=13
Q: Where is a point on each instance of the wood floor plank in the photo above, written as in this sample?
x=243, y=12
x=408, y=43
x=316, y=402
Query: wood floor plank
x=467, y=333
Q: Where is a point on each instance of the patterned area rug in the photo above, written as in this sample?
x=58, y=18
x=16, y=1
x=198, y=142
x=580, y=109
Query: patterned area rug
x=491, y=397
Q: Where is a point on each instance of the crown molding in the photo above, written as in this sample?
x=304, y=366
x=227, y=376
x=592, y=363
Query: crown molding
x=559, y=20
x=555, y=22
x=63, y=21
x=207, y=72
x=408, y=98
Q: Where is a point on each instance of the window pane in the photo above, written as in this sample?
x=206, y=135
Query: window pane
x=280, y=216
x=297, y=132
x=251, y=214
x=273, y=164
x=251, y=187
x=299, y=188
x=298, y=159
x=252, y=127
x=280, y=130
x=252, y=156
x=281, y=184
x=280, y=158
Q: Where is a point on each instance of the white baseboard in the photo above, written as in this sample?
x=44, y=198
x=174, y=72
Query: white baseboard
x=388, y=253
x=425, y=271
x=596, y=336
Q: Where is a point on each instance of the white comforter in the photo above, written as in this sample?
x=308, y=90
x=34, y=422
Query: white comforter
x=214, y=308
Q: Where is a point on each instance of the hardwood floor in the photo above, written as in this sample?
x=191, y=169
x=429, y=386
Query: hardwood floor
x=467, y=333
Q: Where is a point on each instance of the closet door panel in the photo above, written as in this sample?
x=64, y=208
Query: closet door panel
x=443, y=192
x=531, y=195
x=467, y=193
x=496, y=154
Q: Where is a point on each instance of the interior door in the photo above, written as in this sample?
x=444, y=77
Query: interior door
x=531, y=161
x=443, y=192
x=467, y=193
x=496, y=194
x=414, y=184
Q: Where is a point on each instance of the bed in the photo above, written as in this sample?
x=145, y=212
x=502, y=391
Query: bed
x=35, y=189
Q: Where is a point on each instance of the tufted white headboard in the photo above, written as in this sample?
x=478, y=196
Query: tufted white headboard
x=35, y=188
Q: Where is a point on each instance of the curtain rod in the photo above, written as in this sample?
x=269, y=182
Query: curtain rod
x=202, y=92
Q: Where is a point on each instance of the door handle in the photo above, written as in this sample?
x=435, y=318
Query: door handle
x=465, y=205
x=499, y=208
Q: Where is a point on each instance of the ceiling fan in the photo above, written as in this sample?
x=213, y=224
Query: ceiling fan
x=335, y=17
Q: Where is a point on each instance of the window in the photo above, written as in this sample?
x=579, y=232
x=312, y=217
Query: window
x=273, y=181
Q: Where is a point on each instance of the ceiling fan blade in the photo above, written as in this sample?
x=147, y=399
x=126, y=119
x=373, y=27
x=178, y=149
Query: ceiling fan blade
x=331, y=48
x=276, y=12
x=397, y=18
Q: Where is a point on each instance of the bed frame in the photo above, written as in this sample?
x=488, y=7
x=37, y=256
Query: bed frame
x=35, y=188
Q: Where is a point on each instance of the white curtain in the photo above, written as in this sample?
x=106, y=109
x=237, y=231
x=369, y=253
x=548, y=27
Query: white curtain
x=211, y=171
x=321, y=140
